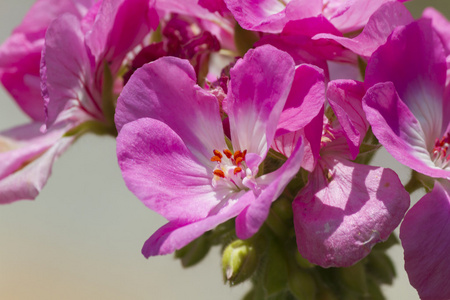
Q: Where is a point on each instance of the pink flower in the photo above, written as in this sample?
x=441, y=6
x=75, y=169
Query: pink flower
x=408, y=106
x=173, y=154
x=345, y=208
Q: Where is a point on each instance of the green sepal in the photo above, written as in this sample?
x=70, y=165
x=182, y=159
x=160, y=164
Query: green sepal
x=276, y=271
x=303, y=262
x=244, y=39
x=380, y=266
x=92, y=126
x=354, y=278
x=108, y=98
x=391, y=241
x=302, y=285
x=194, y=252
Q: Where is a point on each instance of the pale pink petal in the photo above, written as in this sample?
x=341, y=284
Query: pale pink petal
x=338, y=220
x=413, y=59
x=425, y=236
x=160, y=170
x=258, y=89
x=272, y=185
x=174, y=236
x=440, y=24
x=375, y=33
x=166, y=90
x=398, y=130
x=345, y=97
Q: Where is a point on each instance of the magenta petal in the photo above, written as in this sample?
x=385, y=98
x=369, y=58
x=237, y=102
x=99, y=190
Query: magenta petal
x=398, y=130
x=306, y=98
x=159, y=169
x=174, y=236
x=272, y=185
x=425, y=236
x=419, y=82
x=66, y=70
x=441, y=25
x=338, y=222
x=345, y=97
x=166, y=90
x=258, y=89
x=271, y=15
x=375, y=33
x=119, y=27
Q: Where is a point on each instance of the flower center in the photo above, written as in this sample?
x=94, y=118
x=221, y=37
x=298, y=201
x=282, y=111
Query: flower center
x=231, y=169
x=440, y=153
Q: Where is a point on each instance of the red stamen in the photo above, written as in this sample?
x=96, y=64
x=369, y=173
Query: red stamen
x=217, y=153
x=228, y=153
x=239, y=160
x=237, y=154
x=216, y=158
x=219, y=173
x=237, y=170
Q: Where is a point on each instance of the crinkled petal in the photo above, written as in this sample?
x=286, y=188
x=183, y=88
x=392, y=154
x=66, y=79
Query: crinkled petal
x=119, y=27
x=398, y=130
x=345, y=97
x=306, y=98
x=271, y=15
x=337, y=222
x=375, y=33
x=272, y=185
x=425, y=236
x=413, y=59
x=174, y=236
x=258, y=89
x=66, y=71
x=160, y=170
x=166, y=90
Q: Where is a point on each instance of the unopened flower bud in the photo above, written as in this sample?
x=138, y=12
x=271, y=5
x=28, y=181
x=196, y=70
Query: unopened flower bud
x=239, y=261
x=303, y=262
x=194, y=252
x=354, y=278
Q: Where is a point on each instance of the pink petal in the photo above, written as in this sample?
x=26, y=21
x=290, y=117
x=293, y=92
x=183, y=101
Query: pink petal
x=425, y=236
x=166, y=90
x=271, y=15
x=440, y=24
x=413, y=59
x=258, y=89
x=160, y=170
x=306, y=98
x=338, y=222
x=345, y=97
x=66, y=71
x=398, y=130
x=375, y=33
x=272, y=185
x=174, y=236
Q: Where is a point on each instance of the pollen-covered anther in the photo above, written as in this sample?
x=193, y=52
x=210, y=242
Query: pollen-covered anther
x=237, y=170
x=239, y=160
x=216, y=158
x=217, y=153
x=219, y=173
x=227, y=153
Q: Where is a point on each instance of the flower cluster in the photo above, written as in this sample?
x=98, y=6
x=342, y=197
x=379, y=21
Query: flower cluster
x=248, y=121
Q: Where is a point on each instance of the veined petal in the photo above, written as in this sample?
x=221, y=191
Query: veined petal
x=345, y=97
x=161, y=171
x=339, y=218
x=272, y=185
x=306, y=98
x=425, y=236
x=413, y=59
x=118, y=28
x=258, y=89
x=67, y=70
x=271, y=15
x=398, y=130
x=174, y=236
x=378, y=28
x=166, y=90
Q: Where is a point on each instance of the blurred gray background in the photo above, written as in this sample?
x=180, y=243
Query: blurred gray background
x=81, y=238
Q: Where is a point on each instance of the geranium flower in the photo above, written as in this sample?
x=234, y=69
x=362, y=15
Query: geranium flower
x=173, y=152
x=407, y=104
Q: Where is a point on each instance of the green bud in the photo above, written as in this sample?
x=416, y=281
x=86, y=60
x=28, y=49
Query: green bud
x=239, y=261
x=354, y=278
x=303, y=262
x=302, y=285
x=194, y=252
x=381, y=267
